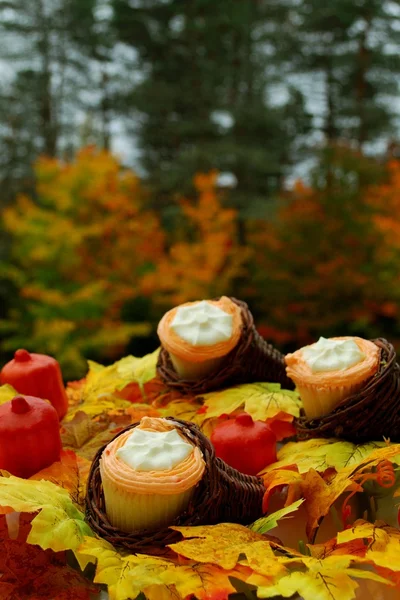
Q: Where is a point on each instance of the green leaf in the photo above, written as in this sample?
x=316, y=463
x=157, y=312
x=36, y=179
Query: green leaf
x=271, y=521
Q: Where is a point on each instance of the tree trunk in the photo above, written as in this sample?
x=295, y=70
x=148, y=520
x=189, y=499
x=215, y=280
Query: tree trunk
x=105, y=111
x=330, y=126
x=363, y=58
x=47, y=113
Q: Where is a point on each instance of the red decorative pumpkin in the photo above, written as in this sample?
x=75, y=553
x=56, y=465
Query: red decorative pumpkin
x=36, y=375
x=29, y=436
x=244, y=444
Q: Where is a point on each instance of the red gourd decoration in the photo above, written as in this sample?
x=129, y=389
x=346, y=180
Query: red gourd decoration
x=244, y=444
x=29, y=436
x=37, y=375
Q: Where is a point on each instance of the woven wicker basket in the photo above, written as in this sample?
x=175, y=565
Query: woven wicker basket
x=222, y=495
x=371, y=414
x=252, y=359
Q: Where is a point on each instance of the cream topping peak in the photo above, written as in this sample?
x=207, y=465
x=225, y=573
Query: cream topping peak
x=202, y=324
x=332, y=355
x=154, y=450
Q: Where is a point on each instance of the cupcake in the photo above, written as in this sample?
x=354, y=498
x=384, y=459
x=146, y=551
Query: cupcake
x=212, y=344
x=199, y=335
x=148, y=475
x=331, y=370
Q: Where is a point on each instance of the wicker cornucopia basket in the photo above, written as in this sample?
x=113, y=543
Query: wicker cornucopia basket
x=222, y=495
x=252, y=359
x=370, y=414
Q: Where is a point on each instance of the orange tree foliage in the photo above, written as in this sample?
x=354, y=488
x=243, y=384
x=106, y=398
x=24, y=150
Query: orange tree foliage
x=325, y=266
x=80, y=250
x=203, y=259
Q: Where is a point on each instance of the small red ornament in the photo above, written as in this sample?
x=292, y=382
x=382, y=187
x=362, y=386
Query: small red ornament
x=244, y=444
x=38, y=375
x=29, y=436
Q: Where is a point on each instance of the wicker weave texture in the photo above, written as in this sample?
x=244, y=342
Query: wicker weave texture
x=222, y=495
x=252, y=359
x=370, y=414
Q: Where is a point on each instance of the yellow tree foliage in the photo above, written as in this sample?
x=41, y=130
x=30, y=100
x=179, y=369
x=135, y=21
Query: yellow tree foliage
x=80, y=250
x=204, y=258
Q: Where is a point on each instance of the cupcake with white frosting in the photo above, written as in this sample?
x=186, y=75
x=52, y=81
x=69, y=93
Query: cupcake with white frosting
x=199, y=335
x=331, y=370
x=149, y=475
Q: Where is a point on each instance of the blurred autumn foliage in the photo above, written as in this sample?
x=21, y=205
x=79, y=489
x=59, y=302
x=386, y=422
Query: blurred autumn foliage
x=80, y=250
x=93, y=266
x=330, y=258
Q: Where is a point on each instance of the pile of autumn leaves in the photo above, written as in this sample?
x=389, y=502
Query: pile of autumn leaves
x=48, y=551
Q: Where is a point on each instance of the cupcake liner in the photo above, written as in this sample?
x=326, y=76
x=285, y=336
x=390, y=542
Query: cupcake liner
x=252, y=359
x=222, y=495
x=318, y=400
x=130, y=512
x=371, y=413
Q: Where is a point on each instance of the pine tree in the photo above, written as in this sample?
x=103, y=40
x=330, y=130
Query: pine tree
x=352, y=49
x=203, y=101
x=55, y=48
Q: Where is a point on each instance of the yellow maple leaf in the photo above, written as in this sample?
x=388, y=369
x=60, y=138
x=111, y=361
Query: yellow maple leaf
x=59, y=525
x=261, y=400
x=144, y=368
x=223, y=545
x=7, y=393
x=321, y=454
x=311, y=578
x=320, y=495
x=126, y=575
x=384, y=542
x=99, y=392
x=183, y=409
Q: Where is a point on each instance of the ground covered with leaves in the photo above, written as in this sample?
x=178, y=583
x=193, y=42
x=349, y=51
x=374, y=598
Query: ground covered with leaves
x=330, y=530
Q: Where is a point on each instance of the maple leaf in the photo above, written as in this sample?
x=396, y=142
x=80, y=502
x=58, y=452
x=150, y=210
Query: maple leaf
x=128, y=575
x=99, y=392
x=89, y=449
x=271, y=521
x=81, y=428
x=7, y=393
x=30, y=573
x=384, y=542
x=261, y=400
x=144, y=368
x=320, y=496
x=71, y=473
x=183, y=409
x=357, y=548
x=59, y=525
x=287, y=479
x=322, y=454
x=223, y=545
x=311, y=578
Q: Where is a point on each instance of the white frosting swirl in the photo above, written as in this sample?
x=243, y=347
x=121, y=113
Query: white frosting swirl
x=332, y=355
x=202, y=324
x=154, y=450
